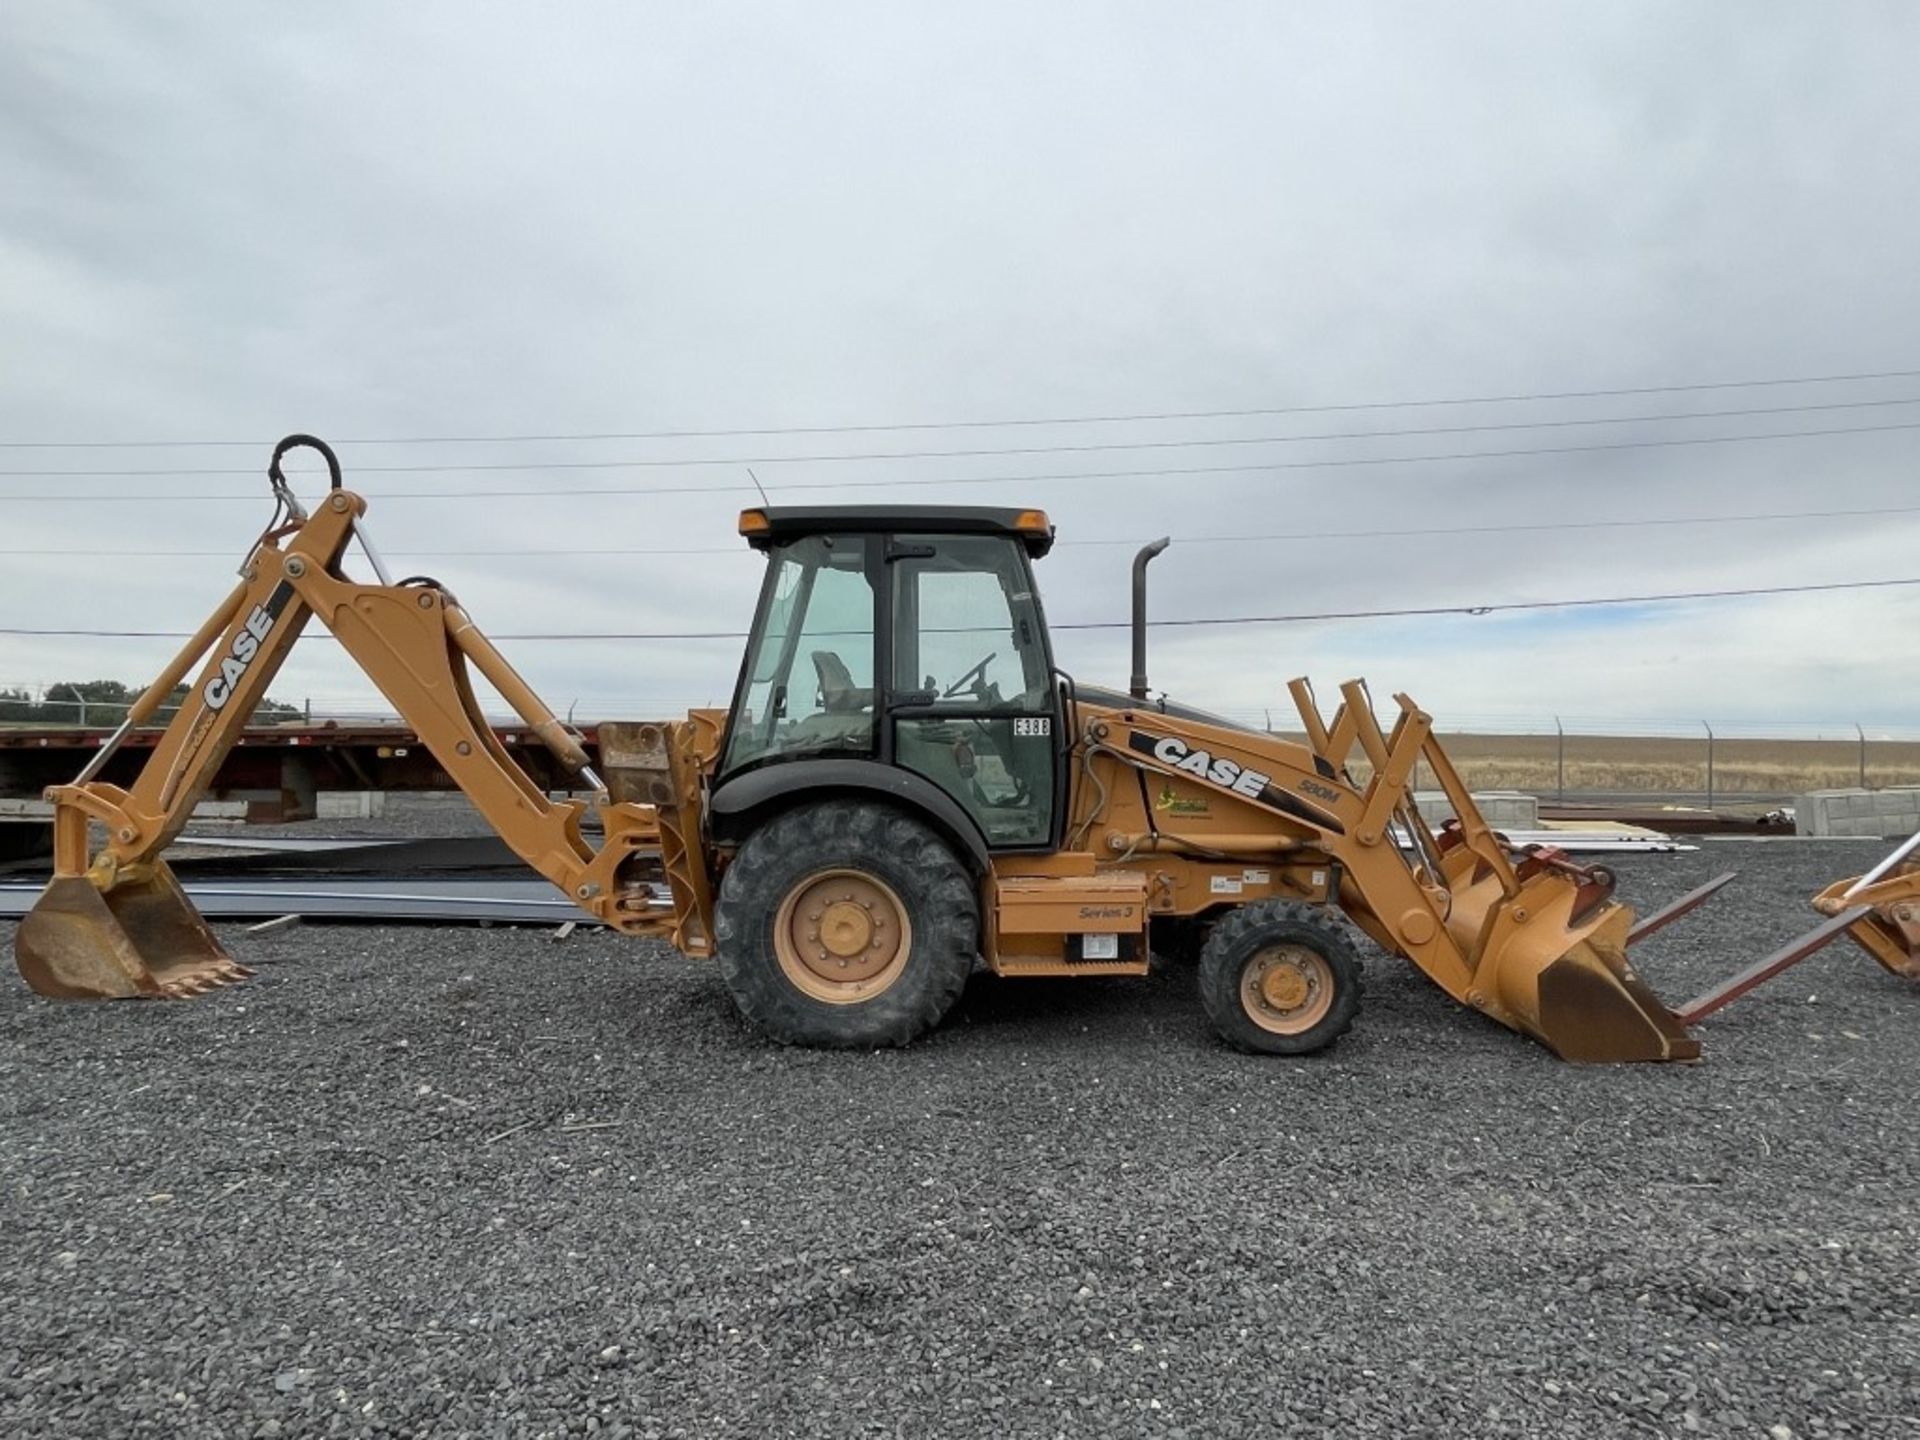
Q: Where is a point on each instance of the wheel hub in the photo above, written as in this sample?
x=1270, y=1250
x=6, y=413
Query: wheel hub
x=1283, y=988
x=1287, y=989
x=845, y=929
x=842, y=936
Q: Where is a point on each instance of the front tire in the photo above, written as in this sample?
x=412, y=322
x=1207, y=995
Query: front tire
x=847, y=924
x=1278, y=978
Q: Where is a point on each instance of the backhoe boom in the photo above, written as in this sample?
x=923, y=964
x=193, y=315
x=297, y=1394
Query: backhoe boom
x=116, y=923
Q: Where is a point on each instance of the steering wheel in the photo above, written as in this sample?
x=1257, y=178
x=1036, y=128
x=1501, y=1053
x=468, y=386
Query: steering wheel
x=978, y=672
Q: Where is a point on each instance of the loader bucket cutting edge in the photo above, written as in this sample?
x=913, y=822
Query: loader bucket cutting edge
x=140, y=937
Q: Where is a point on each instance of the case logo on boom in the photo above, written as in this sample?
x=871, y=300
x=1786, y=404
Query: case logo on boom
x=245, y=647
x=1227, y=774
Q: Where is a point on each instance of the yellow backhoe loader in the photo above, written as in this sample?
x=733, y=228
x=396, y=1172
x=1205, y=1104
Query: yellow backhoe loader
x=904, y=785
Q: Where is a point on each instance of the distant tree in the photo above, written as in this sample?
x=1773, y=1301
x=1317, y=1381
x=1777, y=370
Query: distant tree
x=104, y=703
x=273, y=712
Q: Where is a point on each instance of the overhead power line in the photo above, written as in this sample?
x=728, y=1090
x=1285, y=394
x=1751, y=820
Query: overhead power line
x=898, y=482
x=1414, y=532
x=984, y=452
x=1008, y=423
x=1668, y=597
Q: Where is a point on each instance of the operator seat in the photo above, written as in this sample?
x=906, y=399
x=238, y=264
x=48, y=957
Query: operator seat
x=838, y=694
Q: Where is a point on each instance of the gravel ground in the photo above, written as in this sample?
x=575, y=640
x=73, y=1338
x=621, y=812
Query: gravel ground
x=459, y=1181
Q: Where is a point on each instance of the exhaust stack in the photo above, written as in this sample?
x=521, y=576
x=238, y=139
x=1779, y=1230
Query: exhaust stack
x=1137, y=683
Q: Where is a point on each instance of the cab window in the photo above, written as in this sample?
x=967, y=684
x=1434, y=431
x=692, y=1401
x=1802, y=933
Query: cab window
x=809, y=682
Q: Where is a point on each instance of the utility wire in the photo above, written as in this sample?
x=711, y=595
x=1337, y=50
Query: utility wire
x=1088, y=448
x=1660, y=598
x=1258, y=467
x=571, y=553
x=868, y=429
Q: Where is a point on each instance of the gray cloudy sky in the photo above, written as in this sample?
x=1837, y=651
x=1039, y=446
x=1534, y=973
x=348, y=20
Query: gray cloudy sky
x=365, y=220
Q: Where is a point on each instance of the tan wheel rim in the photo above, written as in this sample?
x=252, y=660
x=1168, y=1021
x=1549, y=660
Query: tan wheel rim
x=1287, y=989
x=842, y=937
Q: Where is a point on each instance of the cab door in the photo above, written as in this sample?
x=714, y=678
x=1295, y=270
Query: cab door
x=972, y=704
x=808, y=682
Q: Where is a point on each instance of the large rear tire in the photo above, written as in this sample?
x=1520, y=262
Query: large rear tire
x=847, y=924
x=1279, y=978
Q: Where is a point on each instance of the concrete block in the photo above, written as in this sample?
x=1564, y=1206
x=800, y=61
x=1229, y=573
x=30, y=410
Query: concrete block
x=1818, y=812
x=1904, y=800
x=350, y=804
x=1503, y=809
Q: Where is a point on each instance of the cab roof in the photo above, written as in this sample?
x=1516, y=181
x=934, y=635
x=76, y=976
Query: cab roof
x=768, y=525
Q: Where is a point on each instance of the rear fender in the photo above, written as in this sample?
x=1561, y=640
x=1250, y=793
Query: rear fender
x=741, y=804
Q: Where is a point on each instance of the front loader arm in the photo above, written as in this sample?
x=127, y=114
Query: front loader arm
x=1294, y=796
x=1526, y=937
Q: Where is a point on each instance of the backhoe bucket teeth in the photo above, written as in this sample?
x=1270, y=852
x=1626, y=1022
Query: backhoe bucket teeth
x=139, y=937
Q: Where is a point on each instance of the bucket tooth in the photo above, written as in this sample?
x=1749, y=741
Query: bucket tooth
x=139, y=936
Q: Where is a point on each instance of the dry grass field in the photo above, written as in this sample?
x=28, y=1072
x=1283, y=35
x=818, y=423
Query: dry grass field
x=1656, y=765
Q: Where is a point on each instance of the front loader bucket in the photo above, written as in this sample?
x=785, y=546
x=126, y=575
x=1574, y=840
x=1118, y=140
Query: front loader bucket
x=1563, y=976
x=138, y=937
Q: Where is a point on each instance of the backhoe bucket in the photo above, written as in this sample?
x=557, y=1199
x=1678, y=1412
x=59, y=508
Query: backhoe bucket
x=138, y=937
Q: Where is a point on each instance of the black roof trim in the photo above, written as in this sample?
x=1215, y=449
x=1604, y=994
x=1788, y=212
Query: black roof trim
x=789, y=522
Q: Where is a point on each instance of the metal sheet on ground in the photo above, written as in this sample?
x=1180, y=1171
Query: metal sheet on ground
x=1621, y=841
x=504, y=901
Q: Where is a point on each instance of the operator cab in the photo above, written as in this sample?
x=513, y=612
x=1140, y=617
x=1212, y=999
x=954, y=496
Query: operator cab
x=906, y=637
